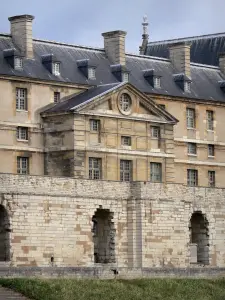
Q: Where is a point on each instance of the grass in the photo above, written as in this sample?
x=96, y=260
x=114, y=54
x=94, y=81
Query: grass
x=143, y=289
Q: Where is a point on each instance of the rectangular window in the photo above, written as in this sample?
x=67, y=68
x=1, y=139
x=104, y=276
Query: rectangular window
x=56, y=97
x=125, y=170
x=192, y=148
x=56, y=68
x=21, y=99
x=22, y=133
x=22, y=165
x=157, y=82
x=91, y=73
x=155, y=132
x=155, y=172
x=187, y=86
x=125, y=77
x=211, y=150
x=126, y=140
x=95, y=165
x=94, y=125
x=18, y=63
x=192, y=177
x=190, y=114
x=210, y=118
x=212, y=178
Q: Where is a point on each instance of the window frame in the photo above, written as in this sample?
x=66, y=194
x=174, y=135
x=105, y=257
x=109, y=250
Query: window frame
x=95, y=168
x=91, y=73
x=155, y=172
x=125, y=103
x=56, y=97
x=125, y=77
x=213, y=150
x=157, y=82
x=211, y=178
x=187, y=86
x=155, y=132
x=21, y=100
x=125, y=140
x=194, y=180
x=190, y=147
x=56, y=68
x=18, y=63
x=22, y=133
x=190, y=119
x=210, y=120
x=126, y=170
x=20, y=168
x=95, y=125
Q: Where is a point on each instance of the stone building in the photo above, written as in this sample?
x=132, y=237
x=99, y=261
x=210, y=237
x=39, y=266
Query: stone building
x=123, y=153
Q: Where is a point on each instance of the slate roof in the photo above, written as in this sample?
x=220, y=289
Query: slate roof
x=205, y=79
x=205, y=49
x=71, y=103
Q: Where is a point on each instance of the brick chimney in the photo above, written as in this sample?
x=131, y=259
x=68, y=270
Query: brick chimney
x=222, y=62
x=21, y=32
x=114, y=44
x=179, y=54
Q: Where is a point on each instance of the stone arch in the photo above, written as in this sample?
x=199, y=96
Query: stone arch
x=4, y=235
x=103, y=236
x=199, y=237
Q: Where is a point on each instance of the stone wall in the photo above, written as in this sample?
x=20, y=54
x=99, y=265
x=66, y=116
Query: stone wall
x=51, y=221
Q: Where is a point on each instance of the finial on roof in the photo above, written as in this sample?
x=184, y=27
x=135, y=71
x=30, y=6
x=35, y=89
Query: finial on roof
x=143, y=47
x=145, y=25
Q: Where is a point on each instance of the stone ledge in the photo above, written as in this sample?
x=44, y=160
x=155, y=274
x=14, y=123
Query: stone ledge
x=104, y=272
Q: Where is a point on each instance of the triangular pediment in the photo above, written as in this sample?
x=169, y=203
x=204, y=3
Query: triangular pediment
x=140, y=105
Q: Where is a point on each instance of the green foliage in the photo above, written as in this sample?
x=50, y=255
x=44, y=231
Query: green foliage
x=154, y=289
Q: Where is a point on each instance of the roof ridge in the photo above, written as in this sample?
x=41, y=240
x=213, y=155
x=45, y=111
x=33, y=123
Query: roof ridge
x=197, y=37
x=68, y=45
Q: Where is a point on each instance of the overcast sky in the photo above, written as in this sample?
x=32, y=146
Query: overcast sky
x=82, y=21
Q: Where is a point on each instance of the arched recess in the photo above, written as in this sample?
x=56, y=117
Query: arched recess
x=103, y=236
x=4, y=235
x=199, y=235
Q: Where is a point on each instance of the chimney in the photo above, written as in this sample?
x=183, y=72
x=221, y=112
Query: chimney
x=222, y=62
x=21, y=32
x=114, y=44
x=179, y=54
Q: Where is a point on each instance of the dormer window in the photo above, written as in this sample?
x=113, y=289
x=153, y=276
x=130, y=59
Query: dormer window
x=120, y=72
x=153, y=77
x=87, y=68
x=157, y=82
x=18, y=63
x=187, y=86
x=183, y=81
x=125, y=76
x=91, y=73
x=56, y=68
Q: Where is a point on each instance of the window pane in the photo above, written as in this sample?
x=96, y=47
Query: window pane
x=125, y=102
x=94, y=125
x=211, y=150
x=56, y=69
x=209, y=119
x=95, y=168
x=192, y=177
x=18, y=63
x=192, y=148
x=21, y=99
x=156, y=172
x=56, y=97
x=155, y=131
x=91, y=73
x=22, y=133
x=126, y=140
x=22, y=165
x=211, y=178
x=125, y=170
x=190, y=114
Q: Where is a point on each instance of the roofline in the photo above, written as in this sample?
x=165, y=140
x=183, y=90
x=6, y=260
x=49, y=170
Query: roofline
x=99, y=95
x=197, y=37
